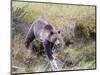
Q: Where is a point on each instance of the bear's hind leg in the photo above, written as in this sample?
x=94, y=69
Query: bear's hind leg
x=29, y=38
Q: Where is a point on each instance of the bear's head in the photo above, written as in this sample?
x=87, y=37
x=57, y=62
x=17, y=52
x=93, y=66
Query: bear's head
x=52, y=35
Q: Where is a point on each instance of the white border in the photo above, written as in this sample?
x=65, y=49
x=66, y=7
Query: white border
x=5, y=36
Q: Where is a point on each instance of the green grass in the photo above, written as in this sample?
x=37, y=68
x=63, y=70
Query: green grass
x=81, y=54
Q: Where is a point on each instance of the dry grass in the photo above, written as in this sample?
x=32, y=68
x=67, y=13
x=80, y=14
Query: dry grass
x=79, y=50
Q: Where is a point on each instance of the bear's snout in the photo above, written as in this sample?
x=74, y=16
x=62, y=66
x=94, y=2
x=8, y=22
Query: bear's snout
x=58, y=44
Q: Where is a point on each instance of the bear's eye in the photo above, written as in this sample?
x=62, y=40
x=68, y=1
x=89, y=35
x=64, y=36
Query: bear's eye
x=59, y=32
x=51, y=33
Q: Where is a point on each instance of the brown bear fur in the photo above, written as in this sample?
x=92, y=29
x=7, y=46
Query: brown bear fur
x=46, y=34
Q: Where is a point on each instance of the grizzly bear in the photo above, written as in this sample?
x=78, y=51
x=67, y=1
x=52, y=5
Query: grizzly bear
x=46, y=34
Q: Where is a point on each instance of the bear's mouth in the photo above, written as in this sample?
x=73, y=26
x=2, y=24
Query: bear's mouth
x=56, y=47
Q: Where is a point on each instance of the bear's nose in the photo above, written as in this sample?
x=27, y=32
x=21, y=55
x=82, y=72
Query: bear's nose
x=58, y=45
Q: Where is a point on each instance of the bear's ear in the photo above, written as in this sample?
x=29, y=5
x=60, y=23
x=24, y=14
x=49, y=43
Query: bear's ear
x=48, y=27
x=59, y=31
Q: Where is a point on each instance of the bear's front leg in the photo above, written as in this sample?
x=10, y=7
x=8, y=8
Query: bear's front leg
x=48, y=49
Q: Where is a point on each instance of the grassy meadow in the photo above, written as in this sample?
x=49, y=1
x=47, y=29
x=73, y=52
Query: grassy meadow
x=77, y=24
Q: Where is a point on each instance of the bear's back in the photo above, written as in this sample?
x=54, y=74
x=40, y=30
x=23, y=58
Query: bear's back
x=38, y=25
